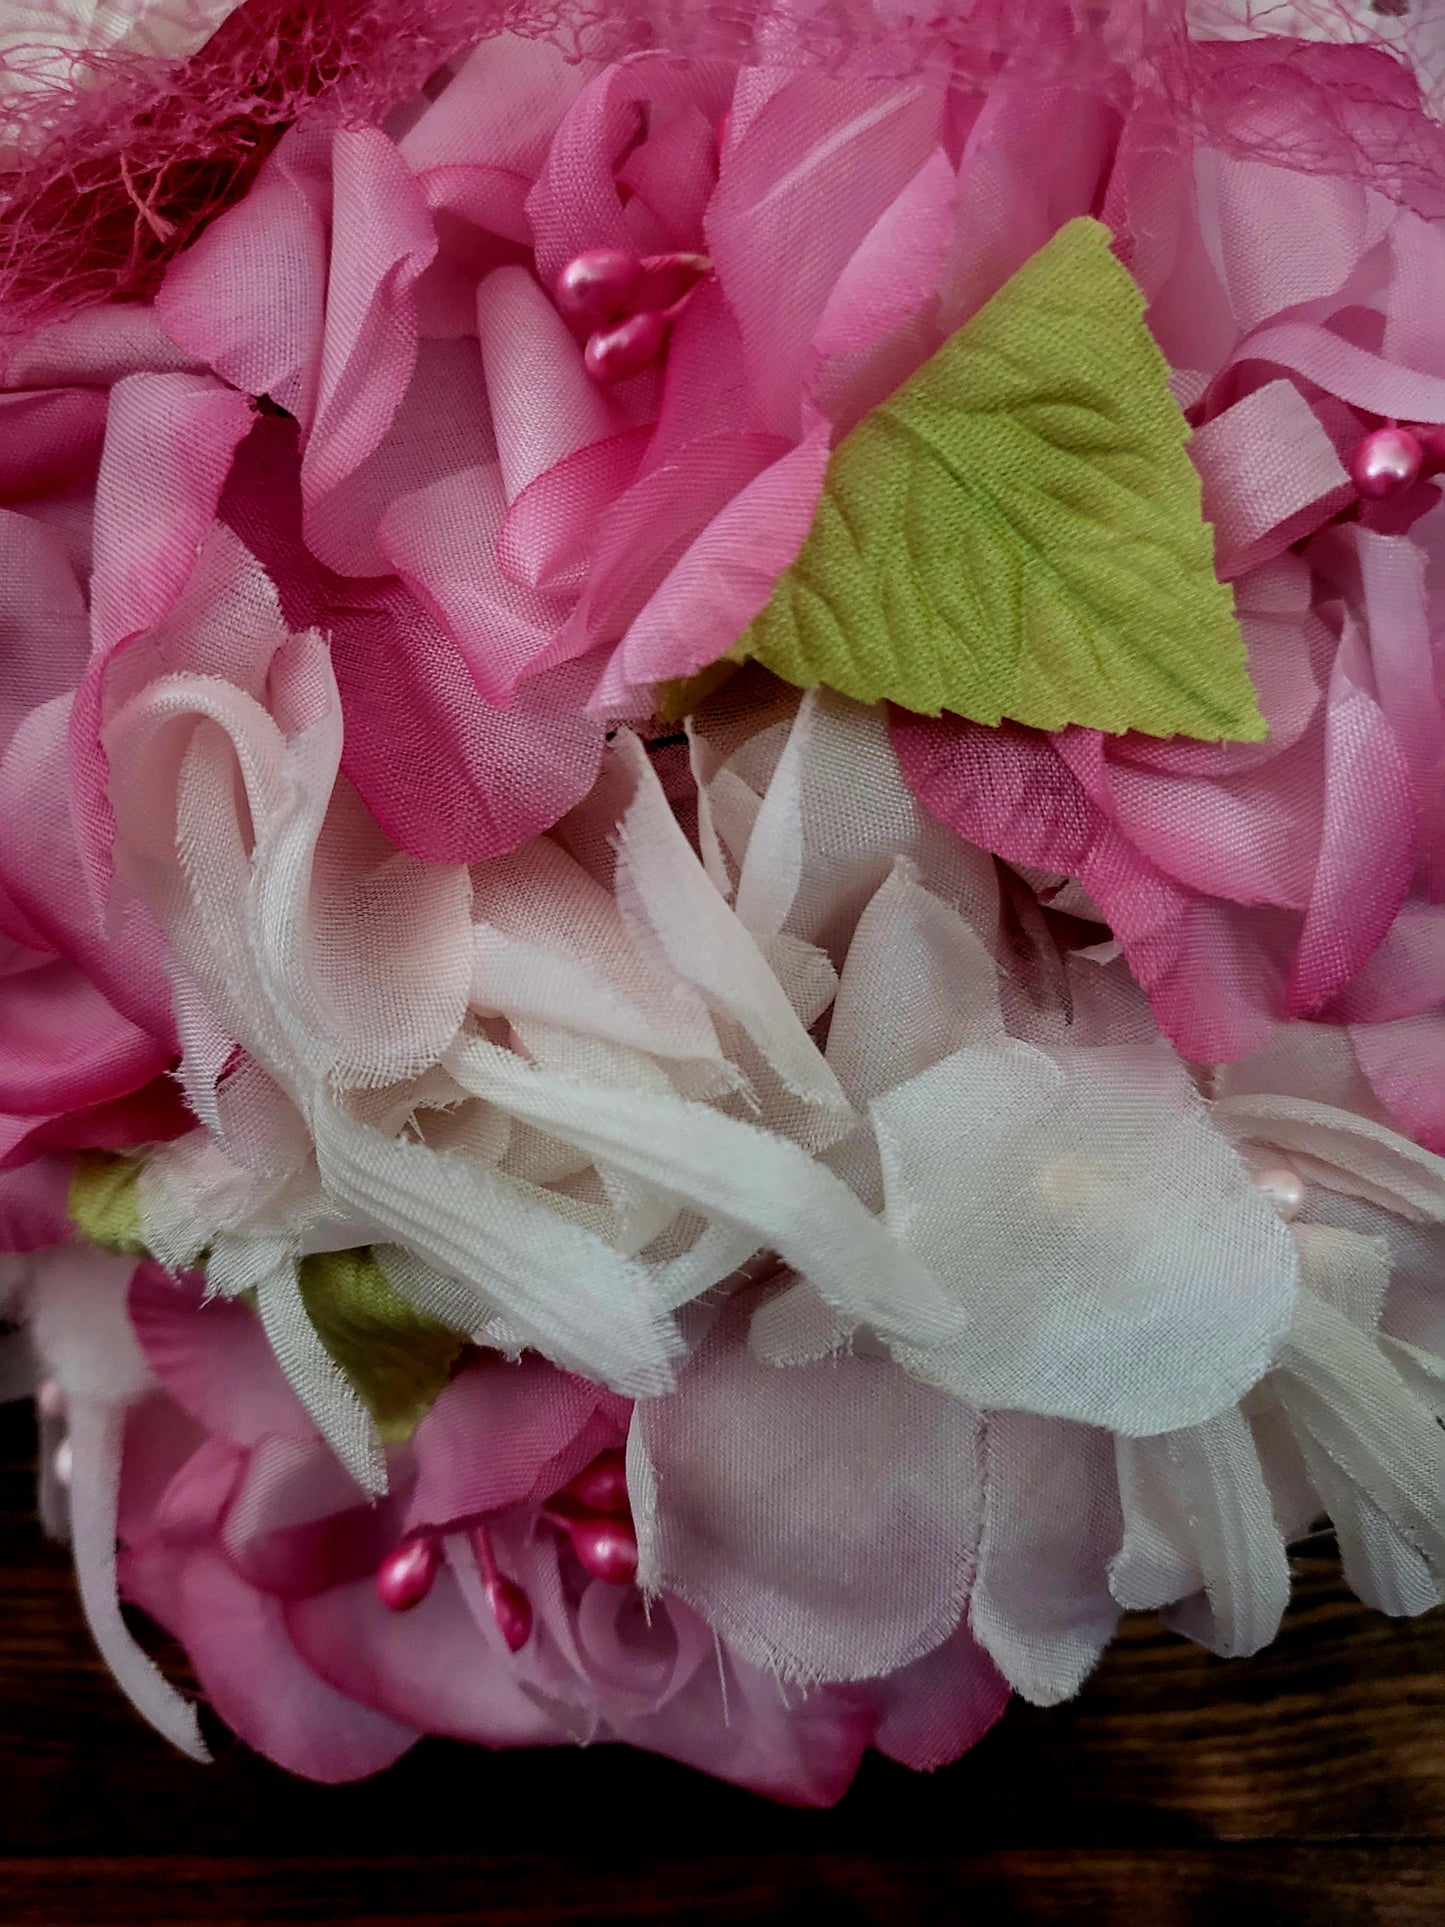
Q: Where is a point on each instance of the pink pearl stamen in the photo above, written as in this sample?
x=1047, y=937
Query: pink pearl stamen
x=1386, y=462
x=511, y=1608
x=598, y=285
x=407, y=1574
x=618, y=353
x=628, y=303
x=606, y=1548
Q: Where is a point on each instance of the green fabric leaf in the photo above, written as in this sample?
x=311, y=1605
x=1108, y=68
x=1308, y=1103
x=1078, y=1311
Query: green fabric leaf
x=1017, y=531
x=397, y=1358
x=102, y=1202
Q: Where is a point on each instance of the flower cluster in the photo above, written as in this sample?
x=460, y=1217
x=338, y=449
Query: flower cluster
x=644, y=1201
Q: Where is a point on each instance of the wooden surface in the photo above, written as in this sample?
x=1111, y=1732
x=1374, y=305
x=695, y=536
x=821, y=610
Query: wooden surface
x=1306, y=1787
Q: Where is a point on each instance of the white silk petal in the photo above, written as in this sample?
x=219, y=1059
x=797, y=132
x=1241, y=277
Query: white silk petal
x=1113, y=1259
x=1199, y=1520
x=735, y=1173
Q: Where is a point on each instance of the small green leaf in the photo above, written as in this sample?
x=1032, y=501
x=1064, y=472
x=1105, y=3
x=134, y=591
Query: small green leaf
x=102, y=1202
x=1017, y=531
x=397, y=1358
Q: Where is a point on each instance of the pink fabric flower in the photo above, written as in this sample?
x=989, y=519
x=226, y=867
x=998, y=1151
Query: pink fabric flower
x=507, y=554
x=246, y=1539
x=1301, y=878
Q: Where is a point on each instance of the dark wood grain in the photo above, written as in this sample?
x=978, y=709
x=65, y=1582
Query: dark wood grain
x=1306, y=1786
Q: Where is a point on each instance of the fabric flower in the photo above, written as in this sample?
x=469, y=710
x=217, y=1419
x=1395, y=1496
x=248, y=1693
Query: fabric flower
x=246, y=1540
x=1300, y=879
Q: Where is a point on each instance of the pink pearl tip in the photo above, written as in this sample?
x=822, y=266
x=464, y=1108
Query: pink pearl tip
x=602, y=1487
x=606, y=1548
x=617, y=353
x=512, y=1610
x=598, y=284
x=1386, y=462
x=407, y=1575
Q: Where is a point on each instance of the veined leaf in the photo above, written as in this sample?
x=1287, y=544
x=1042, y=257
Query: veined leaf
x=397, y=1358
x=1017, y=531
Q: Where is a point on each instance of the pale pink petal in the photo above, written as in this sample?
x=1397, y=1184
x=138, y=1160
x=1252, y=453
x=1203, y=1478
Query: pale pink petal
x=545, y=406
x=1270, y=476
x=725, y=578
x=896, y=266
x=1405, y=976
x=41, y=872
x=1367, y=846
x=442, y=541
x=168, y=446
x=440, y=429
x=1010, y=199
x=575, y=203
x=431, y=1668
x=499, y=110
x=252, y=1674
x=545, y=538
x=1405, y=1062
x=799, y=190
x=941, y=1705
x=213, y=1359
x=382, y=238
x=504, y=1433
x=640, y=538
x=742, y=1724
x=249, y=296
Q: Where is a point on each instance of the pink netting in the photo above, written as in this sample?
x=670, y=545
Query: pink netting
x=116, y=160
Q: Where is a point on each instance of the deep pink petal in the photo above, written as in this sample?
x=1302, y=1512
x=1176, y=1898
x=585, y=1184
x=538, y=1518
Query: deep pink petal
x=49, y=439
x=449, y=777
x=151, y=1115
x=33, y=1202
x=63, y=1047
